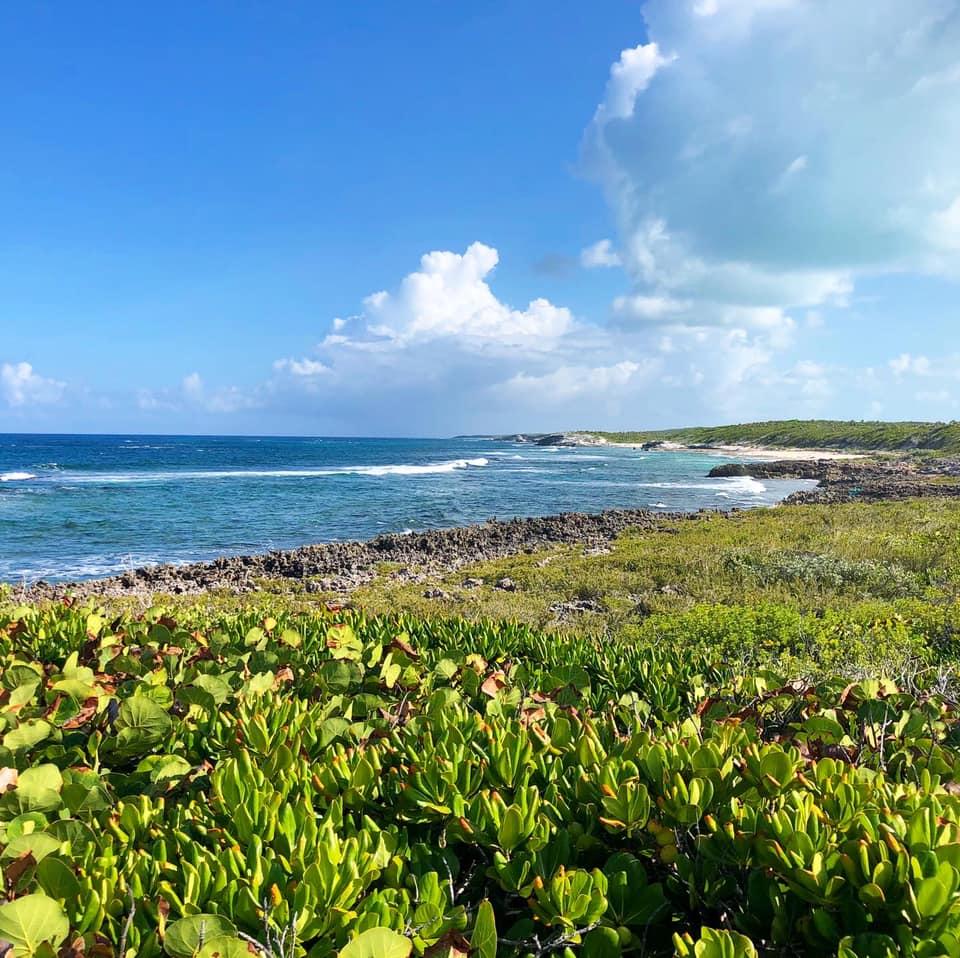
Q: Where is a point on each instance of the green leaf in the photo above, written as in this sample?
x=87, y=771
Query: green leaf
x=932, y=897
x=38, y=844
x=27, y=735
x=225, y=946
x=219, y=689
x=143, y=725
x=32, y=921
x=166, y=767
x=778, y=766
x=185, y=937
x=601, y=943
x=484, y=938
x=38, y=789
x=57, y=879
x=377, y=943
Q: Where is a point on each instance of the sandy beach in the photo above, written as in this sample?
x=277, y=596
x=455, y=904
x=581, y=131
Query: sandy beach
x=750, y=452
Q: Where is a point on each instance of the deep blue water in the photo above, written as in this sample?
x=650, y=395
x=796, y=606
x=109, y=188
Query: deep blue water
x=80, y=506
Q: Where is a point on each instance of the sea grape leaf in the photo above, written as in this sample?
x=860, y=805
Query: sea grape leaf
x=38, y=790
x=226, y=946
x=259, y=684
x=27, y=735
x=378, y=943
x=37, y=844
x=57, y=879
x=143, y=725
x=16, y=676
x=31, y=922
x=215, y=686
x=185, y=937
x=84, y=791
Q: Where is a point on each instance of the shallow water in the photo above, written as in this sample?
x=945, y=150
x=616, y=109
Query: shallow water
x=75, y=507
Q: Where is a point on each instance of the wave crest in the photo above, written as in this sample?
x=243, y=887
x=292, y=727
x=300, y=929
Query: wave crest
x=394, y=469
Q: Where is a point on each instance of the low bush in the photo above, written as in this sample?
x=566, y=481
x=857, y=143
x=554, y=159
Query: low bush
x=311, y=784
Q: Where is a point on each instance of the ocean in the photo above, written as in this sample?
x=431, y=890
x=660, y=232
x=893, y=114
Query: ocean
x=75, y=507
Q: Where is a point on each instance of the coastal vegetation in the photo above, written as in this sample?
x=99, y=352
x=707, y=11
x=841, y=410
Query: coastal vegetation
x=199, y=784
x=942, y=437
x=727, y=737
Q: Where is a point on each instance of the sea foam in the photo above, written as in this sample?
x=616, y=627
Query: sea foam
x=397, y=469
x=16, y=476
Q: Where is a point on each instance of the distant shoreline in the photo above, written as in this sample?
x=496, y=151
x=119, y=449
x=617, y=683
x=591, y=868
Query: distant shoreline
x=750, y=452
x=734, y=450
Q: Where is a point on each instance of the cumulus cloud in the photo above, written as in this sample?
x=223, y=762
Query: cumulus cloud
x=441, y=351
x=782, y=149
x=448, y=298
x=21, y=385
x=629, y=77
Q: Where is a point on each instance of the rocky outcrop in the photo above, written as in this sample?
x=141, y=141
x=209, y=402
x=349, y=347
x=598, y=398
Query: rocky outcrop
x=343, y=566
x=570, y=439
x=861, y=480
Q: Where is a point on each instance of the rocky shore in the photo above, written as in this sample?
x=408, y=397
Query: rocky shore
x=341, y=567
x=862, y=480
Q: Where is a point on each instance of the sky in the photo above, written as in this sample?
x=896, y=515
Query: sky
x=430, y=218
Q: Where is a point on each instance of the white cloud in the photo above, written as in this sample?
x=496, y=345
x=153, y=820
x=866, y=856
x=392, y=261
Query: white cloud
x=783, y=150
x=441, y=351
x=302, y=367
x=655, y=308
x=21, y=385
x=949, y=76
x=193, y=395
x=905, y=364
x=568, y=382
x=600, y=254
x=629, y=77
x=449, y=297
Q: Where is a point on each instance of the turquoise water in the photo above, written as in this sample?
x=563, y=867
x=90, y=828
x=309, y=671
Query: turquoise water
x=81, y=506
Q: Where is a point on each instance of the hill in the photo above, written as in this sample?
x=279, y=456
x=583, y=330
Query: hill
x=942, y=437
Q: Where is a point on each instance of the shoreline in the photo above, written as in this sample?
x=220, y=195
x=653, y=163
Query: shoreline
x=733, y=450
x=750, y=452
x=342, y=567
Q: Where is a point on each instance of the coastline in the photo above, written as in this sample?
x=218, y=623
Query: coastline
x=750, y=452
x=734, y=450
x=342, y=567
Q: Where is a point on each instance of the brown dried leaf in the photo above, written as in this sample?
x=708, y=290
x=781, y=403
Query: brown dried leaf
x=451, y=945
x=399, y=642
x=86, y=714
x=17, y=867
x=493, y=683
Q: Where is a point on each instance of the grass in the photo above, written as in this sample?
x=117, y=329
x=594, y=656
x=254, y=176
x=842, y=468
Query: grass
x=863, y=584
x=807, y=558
x=943, y=437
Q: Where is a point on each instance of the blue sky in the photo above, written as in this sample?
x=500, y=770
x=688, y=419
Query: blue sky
x=424, y=218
